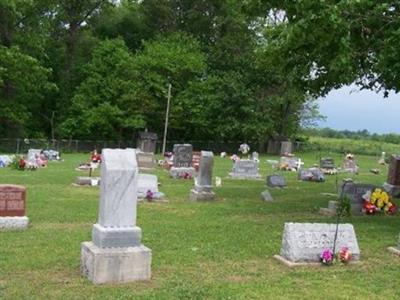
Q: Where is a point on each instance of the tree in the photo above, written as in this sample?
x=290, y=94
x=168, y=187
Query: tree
x=175, y=59
x=327, y=44
x=104, y=105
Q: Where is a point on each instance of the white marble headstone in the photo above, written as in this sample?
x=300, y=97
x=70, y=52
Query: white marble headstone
x=118, y=188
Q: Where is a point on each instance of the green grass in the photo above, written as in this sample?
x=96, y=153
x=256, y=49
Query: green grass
x=218, y=250
x=367, y=147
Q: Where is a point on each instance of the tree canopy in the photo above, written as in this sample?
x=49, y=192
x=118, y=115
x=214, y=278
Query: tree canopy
x=239, y=70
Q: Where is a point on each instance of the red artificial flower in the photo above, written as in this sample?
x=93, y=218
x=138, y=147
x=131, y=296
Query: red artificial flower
x=392, y=209
x=21, y=163
x=345, y=255
x=369, y=208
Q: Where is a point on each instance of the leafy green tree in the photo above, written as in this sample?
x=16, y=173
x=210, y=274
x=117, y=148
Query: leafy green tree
x=327, y=44
x=23, y=82
x=104, y=105
x=174, y=59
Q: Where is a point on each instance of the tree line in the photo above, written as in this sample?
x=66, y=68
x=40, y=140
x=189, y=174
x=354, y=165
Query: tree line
x=239, y=70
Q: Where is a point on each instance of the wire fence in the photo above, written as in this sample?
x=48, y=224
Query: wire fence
x=21, y=146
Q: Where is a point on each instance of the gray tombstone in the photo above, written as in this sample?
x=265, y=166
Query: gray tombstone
x=286, y=148
x=116, y=253
x=292, y=163
x=203, y=181
x=350, y=165
x=245, y=169
x=266, y=196
x=182, y=161
x=355, y=191
x=32, y=153
x=146, y=160
x=304, y=242
x=148, y=182
x=327, y=163
x=183, y=155
x=276, y=181
x=147, y=141
x=311, y=174
x=255, y=156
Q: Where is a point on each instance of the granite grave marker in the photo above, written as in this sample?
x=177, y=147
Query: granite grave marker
x=304, y=242
x=203, y=181
x=245, y=169
x=13, y=207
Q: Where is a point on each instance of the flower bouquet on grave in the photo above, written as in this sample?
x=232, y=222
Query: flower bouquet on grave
x=344, y=255
x=235, y=158
x=378, y=201
x=149, y=196
x=326, y=257
x=185, y=175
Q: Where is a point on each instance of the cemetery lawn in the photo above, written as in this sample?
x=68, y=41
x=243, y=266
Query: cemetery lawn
x=214, y=250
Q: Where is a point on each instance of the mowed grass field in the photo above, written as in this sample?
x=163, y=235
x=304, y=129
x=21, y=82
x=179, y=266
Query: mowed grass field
x=214, y=250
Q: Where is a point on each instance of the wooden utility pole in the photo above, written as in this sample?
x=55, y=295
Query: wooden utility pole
x=166, y=119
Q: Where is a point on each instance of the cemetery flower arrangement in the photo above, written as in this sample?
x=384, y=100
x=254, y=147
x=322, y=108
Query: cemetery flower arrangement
x=185, y=175
x=235, y=158
x=326, y=257
x=344, y=255
x=149, y=195
x=378, y=201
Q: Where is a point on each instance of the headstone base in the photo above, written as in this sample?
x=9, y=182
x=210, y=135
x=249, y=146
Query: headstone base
x=245, y=176
x=14, y=223
x=331, y=210
x=291, y=264
x=86, y=180
x=182, y=172
x=109, y=237
x=392, y=190
x=394, y=250
x=201, y=196
x=115, y=265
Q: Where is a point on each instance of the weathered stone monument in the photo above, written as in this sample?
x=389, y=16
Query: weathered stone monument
x=302, y=243
x=255, y=156
x=245, y=169
x=327, y=163
x=147, y=141
x=146, y=160
x=13, y=207
x=115, y=253
x=311, y=174
x=286, y=148
x=146, y=183
x=276, y=181
x=392, y=185
x=266, y=196
x=350, y=165
x=182, y=161
x=203, y=181
x=354, y=192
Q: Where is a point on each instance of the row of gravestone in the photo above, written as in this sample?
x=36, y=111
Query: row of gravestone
x=116, y=253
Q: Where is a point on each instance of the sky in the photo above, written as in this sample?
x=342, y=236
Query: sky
x=349, y=108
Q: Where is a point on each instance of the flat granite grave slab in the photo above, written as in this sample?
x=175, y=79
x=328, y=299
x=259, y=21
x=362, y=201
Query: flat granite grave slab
x=302, y=243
